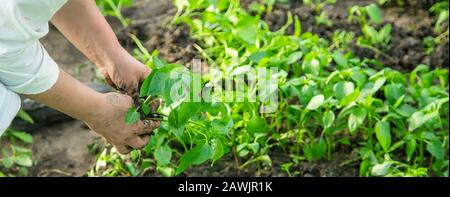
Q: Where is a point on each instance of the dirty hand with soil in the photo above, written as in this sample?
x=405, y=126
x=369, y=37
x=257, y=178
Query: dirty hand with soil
x=103, y=113
x=85, y=27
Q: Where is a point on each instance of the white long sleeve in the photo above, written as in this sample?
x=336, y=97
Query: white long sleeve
x=9, y=106
x=25, y=66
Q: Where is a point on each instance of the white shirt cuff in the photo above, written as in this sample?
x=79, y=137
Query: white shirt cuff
x=9, y=106
x=33, y=71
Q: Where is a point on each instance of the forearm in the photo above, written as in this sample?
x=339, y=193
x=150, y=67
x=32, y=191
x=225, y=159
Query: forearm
x=82, y=23
x=72, y=98
x=103, y=113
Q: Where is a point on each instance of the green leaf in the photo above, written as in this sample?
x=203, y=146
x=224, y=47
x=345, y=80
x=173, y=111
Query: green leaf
x=383, y=133
x=374, y=13
x=344, y=141
x=218, y=150
x=436, y=149
x=342, y=89
x=419, y=69
x=131, y=169
x=443, y=16
x=294, y=57
x=132, y=116
x=381, y=169
x=410, y=148
x=350, y=98
x=419, y=118
x=359, y=77
x=7, y=162
x=165, y=171
x=328, y=119
x=311, y=66
x=308, y=152
x=297, y=26
x=158, y=63
x=319, y=149
x=134, y=155
x=221, y=127
x=248, y=30
x=25, y=116
x=170, y=82
x=146, y=109
x=306, y=93
x=257, y=125
x=340, y=59
x=385, y=34
x=146, y=85
x=254, y=147
x=21, y=151
x=396, y=145
x=179, y=117
x=204, y=154
x=372, y=88
x=180, y=4
x=240, y=70
x=356, y=119
x=163, y=155
x=199, y=154
x=406, y=110
x=24, y=160
x=425, y=115
x=363, y=167
x=393, y=92
x=25, y=137
x=315, y=102
x=370, y=32
x=256, y=57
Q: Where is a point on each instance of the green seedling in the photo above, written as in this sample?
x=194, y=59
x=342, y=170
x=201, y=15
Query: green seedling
x=16, y=159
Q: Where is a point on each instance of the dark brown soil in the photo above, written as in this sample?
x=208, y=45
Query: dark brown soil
x=61, y=150
x=152, y=27
x=337, y=166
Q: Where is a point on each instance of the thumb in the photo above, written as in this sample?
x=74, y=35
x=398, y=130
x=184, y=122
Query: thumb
x=145, y=73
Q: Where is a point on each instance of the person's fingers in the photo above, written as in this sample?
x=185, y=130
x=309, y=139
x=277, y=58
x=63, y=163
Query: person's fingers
x=122, y=149
x=133, y=92
x=147, y=127
x=108, y=79
x=110, y=82
x=133, y=88
x=137, y=142
x=150, y=125
x=146, y=139
x=145, y=74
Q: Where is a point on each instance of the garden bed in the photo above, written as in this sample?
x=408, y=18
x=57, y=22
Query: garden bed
x=411, y=24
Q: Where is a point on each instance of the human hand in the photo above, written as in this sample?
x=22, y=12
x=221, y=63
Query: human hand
x=83, y=24
x=110, y=124
x=125, y=73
